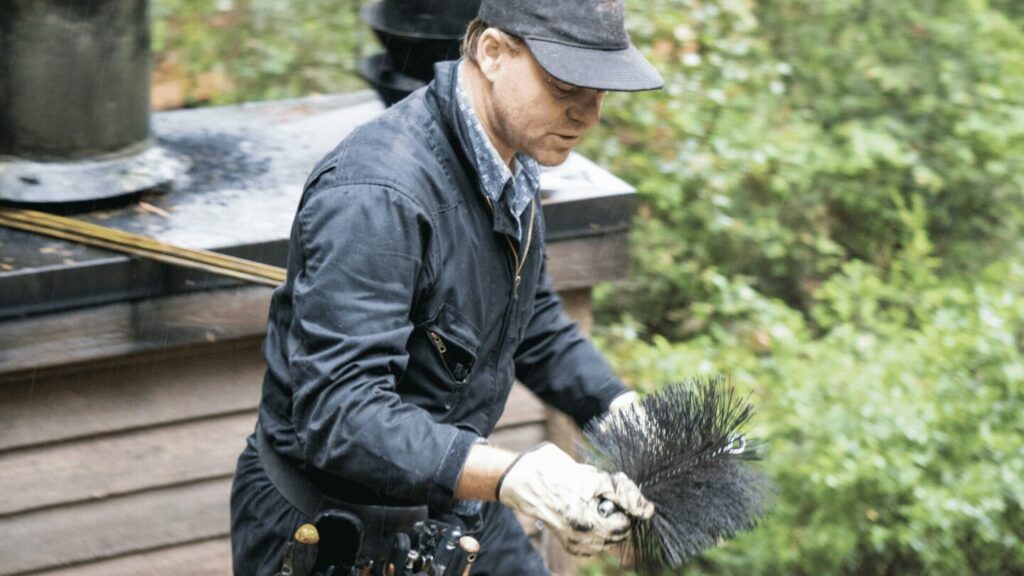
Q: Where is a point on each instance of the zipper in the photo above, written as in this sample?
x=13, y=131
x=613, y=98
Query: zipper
x=442, y=349
x=438, y=343
x=517, y=275
x=516, y=279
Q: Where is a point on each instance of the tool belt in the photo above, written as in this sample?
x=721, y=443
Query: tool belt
x=359, y=539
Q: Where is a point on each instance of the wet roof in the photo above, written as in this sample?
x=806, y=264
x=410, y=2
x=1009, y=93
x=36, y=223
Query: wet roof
x=247, y=167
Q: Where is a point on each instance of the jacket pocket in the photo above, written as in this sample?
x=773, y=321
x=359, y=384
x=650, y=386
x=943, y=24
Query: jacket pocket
x=455, y=340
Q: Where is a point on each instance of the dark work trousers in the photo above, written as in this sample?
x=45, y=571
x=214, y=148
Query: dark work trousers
x=262, y=522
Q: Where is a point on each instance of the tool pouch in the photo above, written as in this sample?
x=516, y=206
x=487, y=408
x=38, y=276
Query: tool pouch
x=341, y=540
x=363, y=536
x=354, y=538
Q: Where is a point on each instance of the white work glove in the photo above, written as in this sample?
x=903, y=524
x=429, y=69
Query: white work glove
x=629, y=403
x=547, y=484
x=624, y=400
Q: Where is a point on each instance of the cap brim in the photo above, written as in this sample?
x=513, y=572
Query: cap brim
x=615, y=70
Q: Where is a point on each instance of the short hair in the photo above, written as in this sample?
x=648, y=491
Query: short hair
x=471, y=40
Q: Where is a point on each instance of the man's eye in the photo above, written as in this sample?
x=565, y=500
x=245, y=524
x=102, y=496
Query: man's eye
x=561, y=89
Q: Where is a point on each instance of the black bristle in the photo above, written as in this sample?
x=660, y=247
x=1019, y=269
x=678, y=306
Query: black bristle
x=686, y=450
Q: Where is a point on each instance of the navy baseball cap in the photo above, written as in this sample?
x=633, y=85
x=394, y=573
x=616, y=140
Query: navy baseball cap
x=581, y=42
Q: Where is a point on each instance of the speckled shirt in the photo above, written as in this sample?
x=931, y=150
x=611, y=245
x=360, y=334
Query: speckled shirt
x=503, y=186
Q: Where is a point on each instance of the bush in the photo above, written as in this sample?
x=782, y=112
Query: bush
x=230, y=51
x=895, y=438
x=796, y=135
x=832, y=199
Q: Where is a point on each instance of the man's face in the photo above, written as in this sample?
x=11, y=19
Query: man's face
x=538, y=115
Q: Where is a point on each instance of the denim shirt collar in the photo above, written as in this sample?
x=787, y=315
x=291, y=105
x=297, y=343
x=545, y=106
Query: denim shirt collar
x=508, y=189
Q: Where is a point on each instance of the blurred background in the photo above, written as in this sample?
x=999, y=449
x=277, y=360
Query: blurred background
x=831, y=205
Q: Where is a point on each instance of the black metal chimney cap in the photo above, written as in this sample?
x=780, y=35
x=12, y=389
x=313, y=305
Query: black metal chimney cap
x=416, y=57
x=391, y=85
x=440, y=19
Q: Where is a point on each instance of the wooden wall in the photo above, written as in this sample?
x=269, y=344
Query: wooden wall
x=123, y=466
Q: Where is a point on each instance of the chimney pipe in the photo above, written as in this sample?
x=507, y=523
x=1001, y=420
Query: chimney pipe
x=74, y=103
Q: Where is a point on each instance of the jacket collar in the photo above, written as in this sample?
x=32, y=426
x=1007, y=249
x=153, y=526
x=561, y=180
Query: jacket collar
x=443, y=91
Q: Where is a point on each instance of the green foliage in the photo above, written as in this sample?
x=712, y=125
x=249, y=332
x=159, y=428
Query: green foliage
x=832, y=200
x=263, y=49
x=797, y=134
x=895, y=438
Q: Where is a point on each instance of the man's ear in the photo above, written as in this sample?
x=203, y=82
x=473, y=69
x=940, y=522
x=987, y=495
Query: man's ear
x=492, y=49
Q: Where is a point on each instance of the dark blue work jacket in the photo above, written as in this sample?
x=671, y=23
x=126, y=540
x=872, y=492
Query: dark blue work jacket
x=407, y=312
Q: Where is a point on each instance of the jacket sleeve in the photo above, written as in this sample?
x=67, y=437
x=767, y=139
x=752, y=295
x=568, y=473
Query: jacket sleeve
x=363, y=251
x=560, y=364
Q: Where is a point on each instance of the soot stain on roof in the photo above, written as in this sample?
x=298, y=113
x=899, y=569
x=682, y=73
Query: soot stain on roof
x=218, y=159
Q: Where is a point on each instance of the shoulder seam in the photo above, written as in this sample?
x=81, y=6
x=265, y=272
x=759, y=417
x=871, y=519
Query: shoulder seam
x=393, y=187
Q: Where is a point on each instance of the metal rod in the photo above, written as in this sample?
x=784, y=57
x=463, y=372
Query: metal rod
x=120, y=236
x=141, y=246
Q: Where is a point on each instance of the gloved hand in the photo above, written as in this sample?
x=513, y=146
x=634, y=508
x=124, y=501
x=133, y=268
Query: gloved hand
x=624, y=400
x=629, y=403
x=547, y=484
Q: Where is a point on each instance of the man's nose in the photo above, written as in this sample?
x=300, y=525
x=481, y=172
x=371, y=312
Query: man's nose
x=587, y=107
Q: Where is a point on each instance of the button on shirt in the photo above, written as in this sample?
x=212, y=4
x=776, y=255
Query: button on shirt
x=511, y=189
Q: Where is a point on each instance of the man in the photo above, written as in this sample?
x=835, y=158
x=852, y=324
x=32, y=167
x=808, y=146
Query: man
x=416, y=293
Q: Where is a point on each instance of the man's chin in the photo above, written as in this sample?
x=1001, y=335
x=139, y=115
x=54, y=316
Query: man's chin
x=552, y=158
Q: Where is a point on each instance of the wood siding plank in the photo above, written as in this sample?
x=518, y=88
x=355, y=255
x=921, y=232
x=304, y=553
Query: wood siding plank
x=209, y=558
x=120, y=397
x=522, y=407
x=114, y=527
x=111, y=465
x=520, y=438
x=584, y=262
x=117, y=330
